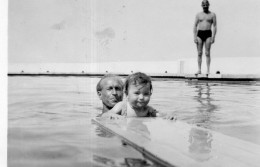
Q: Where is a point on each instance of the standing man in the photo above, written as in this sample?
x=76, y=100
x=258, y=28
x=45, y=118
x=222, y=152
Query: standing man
x=203, y=34
x=110, y=91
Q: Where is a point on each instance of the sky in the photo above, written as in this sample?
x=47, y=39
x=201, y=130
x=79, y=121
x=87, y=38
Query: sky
x=86, y=31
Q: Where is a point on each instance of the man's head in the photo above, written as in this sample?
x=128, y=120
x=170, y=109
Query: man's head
x=205, y=5
x=110, y=91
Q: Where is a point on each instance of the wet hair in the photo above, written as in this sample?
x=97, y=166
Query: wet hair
x=137, y=78
x=99, y=84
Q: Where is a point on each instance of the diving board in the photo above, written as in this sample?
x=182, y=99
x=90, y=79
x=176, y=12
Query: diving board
x=175, y=143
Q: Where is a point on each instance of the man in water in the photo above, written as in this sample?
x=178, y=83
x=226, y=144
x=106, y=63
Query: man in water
x=110, y=91
x=203, y=34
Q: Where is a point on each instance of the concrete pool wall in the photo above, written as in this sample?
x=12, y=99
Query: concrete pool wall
x=236, y=66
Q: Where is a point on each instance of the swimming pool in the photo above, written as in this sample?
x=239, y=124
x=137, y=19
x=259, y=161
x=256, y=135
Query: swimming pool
x=49, y=118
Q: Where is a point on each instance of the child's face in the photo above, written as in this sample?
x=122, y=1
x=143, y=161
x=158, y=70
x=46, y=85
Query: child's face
x=139, y=95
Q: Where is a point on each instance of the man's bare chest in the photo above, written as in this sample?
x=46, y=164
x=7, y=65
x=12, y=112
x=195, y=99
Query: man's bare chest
x=206, y=18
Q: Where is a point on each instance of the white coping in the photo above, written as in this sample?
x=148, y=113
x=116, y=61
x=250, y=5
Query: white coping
x=227, y=66
x=231, y=76
x=181, y=144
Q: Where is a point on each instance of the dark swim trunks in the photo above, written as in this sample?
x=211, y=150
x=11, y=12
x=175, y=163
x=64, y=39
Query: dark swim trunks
x=204, y=34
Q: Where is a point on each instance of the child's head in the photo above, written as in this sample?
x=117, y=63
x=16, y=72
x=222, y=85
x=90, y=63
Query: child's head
x=138, y=89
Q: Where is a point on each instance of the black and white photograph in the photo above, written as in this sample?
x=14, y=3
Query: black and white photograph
x=130, y=83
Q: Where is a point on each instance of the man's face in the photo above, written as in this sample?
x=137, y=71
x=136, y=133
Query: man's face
x=205, y=5
x=111, y=93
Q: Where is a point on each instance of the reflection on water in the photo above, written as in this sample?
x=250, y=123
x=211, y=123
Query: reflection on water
x=139, y=127
x=200, y=144
x=49, y=124
x=125, y=125
x=205, y=109
x=128, y=162
x=131, y=162
x=103, y=133
x=49, y=119
x=105, y=161
x=199, y=139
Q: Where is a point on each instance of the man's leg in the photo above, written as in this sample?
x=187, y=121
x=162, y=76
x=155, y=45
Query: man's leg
x=199, y=48
x=207, y=53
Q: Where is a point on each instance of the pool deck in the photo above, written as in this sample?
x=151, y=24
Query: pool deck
x=175, y=143
x=188, y=77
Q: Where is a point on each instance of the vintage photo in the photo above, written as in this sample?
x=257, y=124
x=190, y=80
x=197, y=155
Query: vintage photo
x=127, y=83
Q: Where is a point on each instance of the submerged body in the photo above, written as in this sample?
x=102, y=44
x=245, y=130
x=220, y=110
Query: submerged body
x=138, y=91
x=125, y=109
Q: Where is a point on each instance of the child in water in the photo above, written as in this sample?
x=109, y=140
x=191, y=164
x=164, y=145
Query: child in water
x=138, y=91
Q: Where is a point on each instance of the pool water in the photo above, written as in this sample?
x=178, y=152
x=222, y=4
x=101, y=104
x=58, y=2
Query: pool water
x=49, y=118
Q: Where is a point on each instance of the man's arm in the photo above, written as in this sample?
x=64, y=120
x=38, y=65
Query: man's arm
x=195, y=28
x=117, y=108
x=115, y=112
x=214, y=30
